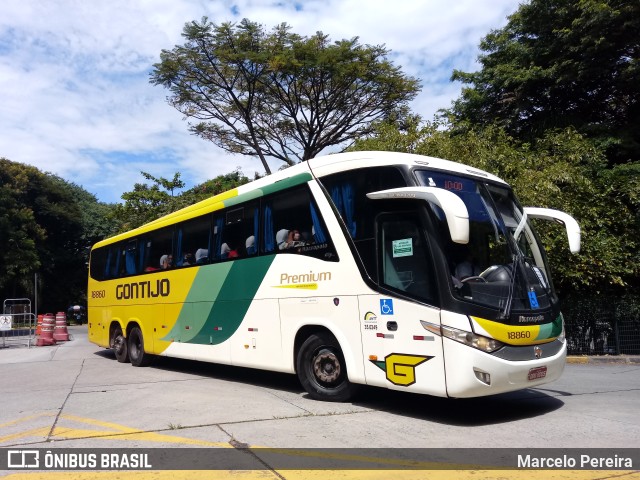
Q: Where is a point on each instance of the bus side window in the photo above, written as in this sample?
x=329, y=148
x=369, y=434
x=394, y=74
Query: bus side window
x=292, y=224
x=193, y=242
x=158, y=246
x=132, y=264
x=241, y=235
x=349, y=194
x=98, y=266
x=113, y=264
x=405, y=261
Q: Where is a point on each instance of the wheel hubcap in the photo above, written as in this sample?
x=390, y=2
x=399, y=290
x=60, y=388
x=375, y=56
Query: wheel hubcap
x=326, y=367
x=119, y=344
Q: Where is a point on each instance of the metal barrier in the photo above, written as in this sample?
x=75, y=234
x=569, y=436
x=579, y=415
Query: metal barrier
x=602, y=325
x=17, y=323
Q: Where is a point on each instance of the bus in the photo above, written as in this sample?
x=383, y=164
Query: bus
x=366, y=268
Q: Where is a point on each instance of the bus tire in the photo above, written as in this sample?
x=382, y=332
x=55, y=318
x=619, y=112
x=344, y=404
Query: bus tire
x=120, y=346
x=139, y=358
x=322, y=370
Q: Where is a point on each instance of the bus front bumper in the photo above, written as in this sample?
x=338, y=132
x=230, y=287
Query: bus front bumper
x=474, y=373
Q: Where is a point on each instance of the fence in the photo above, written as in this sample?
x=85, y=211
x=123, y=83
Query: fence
x=602, y=325
x=17, y=323
x=597, y=325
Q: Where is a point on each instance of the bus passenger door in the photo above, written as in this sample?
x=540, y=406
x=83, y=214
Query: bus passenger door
x=409, y=356
x=399, y=353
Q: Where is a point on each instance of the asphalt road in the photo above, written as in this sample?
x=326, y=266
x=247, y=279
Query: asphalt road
x=77, y=395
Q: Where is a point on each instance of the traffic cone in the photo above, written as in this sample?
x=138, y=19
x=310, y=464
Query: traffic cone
x=39, y=325
x=61, y=333
x=46, y=336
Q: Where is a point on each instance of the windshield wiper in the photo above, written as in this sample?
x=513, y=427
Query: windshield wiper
x=506, y=312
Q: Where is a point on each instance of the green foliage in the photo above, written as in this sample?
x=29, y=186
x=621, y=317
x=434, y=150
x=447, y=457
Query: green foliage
x=146, y=202
x=562, y=170
x=149, y=202
x=219, y=184
x=279, y=94
x=47, y=226
x=558, y=64
x=20, y=232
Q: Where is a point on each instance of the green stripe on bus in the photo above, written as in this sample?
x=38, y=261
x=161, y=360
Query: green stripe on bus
x=204, y=290
x=550, y=330
x=276, y=187
x=286, y=183
x=238, y=290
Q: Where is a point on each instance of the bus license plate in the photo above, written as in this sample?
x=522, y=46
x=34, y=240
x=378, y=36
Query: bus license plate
x=537, y=373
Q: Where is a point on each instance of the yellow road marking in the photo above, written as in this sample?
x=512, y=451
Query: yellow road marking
x=25, y=419
x=37, y=432
x=110, y=431
x=334, y=474
x=114, y=431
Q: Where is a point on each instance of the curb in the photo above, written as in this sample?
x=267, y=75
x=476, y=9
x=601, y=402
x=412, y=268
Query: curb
x=605, y=359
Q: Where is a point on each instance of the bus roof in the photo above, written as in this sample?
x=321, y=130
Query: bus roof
x=302, y=173
x=339, y=162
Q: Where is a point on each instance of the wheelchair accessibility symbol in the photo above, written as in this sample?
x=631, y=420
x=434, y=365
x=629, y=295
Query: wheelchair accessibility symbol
x=386, y=306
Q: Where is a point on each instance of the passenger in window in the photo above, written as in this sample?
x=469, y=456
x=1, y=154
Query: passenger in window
x=188, y=260
x=202, y=256
x=250, y=245
x=166, y=262
x=293, y=240
x=281, y=238
x=228, y=250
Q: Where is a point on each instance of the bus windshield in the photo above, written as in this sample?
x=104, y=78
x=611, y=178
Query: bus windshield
x=495, y=269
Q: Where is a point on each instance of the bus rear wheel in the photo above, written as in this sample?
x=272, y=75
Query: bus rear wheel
x=136, y=349
x=322, y=370
x=119, y=346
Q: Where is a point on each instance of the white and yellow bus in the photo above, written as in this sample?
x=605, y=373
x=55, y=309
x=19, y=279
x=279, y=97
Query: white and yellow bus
x=387, y=269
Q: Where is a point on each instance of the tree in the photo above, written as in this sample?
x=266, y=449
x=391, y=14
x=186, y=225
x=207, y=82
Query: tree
x=146, y=203
x=279, y=94
x=562, y=170
x=47, y=225
x=19, y=258
x=561, y=63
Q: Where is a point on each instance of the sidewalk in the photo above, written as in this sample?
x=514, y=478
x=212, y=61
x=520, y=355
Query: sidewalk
x=17, y=353
x=630, y=359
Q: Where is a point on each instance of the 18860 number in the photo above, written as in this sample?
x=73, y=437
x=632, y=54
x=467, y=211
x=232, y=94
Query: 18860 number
x=519, y=335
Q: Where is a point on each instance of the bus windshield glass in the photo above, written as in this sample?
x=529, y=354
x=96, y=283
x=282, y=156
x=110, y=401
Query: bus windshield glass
x=495, y=269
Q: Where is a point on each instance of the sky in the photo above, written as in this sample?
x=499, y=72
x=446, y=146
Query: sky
x=75, y=97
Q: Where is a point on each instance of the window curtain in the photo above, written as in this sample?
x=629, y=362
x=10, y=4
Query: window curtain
x=115, y=270
x=140, y=255
x=218, y=238
x=253, y=249
x=107, y=265
x=269, y=238
x=318, y=231
x=343, y=197
x=130, y=261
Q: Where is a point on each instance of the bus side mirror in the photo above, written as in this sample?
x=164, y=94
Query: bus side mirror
x=572, y=227
x=453, y=207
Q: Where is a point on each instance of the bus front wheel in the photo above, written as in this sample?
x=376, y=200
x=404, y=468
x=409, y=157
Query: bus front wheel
x=119, y=345
x=322, y=370
x=136, y=349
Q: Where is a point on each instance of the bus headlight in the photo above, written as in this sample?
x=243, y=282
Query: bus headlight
x=472, y=340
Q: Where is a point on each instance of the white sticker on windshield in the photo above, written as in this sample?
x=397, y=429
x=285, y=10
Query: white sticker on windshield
x=402, y=248
x=540, y=276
